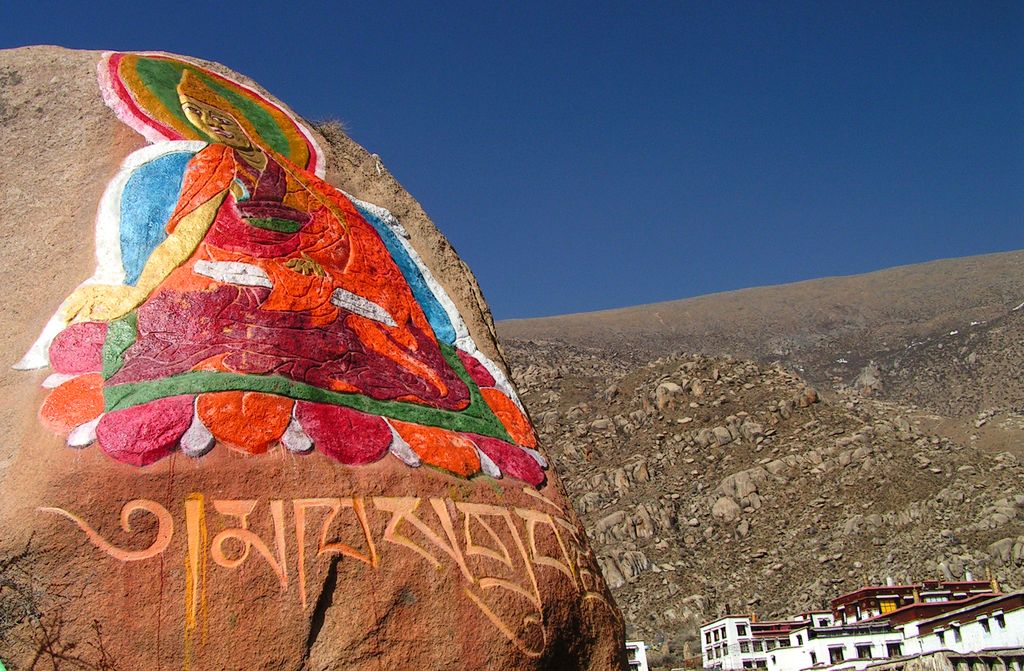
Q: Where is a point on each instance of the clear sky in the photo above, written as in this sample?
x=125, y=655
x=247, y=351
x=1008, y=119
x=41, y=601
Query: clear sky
x=594, y=155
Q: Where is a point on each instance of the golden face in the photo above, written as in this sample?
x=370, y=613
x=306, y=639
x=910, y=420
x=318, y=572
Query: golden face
x=216, y=123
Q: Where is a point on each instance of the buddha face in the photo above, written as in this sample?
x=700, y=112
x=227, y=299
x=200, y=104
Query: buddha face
x=216, y=123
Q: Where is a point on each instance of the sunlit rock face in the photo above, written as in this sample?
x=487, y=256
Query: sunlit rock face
x=257, y=417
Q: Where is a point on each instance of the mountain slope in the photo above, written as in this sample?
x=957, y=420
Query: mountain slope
x=806, y=325
x=711, y=483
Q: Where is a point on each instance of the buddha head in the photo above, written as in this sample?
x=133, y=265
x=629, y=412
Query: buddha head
x=207, y=111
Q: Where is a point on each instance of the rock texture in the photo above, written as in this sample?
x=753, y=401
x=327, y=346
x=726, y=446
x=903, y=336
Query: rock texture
x=908, y=466
x=752, y=492
x=274, y=561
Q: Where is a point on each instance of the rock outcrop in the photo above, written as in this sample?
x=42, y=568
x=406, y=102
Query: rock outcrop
x=749, y=492
x=273, y=430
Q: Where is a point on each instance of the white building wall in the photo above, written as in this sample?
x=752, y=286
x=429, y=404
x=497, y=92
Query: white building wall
x=798, y=657
x=789, y=659
x=973, y=636
x=636, y=656
x=728, y=649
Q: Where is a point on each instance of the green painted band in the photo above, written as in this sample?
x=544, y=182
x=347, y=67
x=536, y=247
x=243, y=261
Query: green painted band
x=121, y=334
x=476, y=418
x=275, y=224
x=204, y=381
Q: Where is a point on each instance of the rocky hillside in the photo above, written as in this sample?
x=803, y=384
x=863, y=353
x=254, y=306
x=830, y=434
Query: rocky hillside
x=711, y=484
x=967, y=370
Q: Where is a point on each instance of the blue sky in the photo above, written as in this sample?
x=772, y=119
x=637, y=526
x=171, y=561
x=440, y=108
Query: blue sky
x=590, y=155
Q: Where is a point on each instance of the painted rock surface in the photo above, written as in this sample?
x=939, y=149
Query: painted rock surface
x=257, y=418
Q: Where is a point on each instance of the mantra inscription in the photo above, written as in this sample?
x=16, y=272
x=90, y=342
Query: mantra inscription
x=497, y=550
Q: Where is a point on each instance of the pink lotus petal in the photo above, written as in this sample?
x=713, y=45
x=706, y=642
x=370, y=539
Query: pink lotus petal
x=79, y=348
x=512, y=460
x=145, y=433
x=350, y=436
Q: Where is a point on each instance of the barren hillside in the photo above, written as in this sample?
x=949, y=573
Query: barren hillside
x=806, y=325
x=875, y=431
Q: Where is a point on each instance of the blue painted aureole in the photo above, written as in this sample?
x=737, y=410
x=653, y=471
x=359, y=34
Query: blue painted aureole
x=432, y=308
x=147, y=203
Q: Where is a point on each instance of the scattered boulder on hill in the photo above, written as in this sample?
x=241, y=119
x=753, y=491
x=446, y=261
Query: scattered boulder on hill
x=668, y=395
x=760, y=493
x=869, y=381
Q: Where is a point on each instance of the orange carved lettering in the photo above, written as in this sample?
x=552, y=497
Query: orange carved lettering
x=242, y=509
x=533, y=518
x=164, y=531
x=403, y=508
x=195, y=570
x=334, y=505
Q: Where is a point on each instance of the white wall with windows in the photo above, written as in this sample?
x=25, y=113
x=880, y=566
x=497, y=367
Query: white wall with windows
x=728, y=644
x=636, y=656
x=853, y=651
x=971, y=632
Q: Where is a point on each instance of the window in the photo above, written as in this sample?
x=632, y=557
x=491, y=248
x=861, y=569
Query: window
x=799, y=639
x=758, y=646
x=887, y=605
x=835, y=655
x=893, y=649
x=716, y=634
x=744, y=647
x=942, y=636
x=985, y=625
x=707, y=636
x=814, y=658
x=1000, y=621
x=863, y=651
x=956, y=634
x=741, y=629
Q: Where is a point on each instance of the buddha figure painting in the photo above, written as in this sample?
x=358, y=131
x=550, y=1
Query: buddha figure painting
x=241, y=301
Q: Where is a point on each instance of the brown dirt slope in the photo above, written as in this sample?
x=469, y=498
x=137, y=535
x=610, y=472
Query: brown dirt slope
x=806, y=325
x=711, y=484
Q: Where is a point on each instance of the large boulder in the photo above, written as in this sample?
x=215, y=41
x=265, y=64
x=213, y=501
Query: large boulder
x=260, y=419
